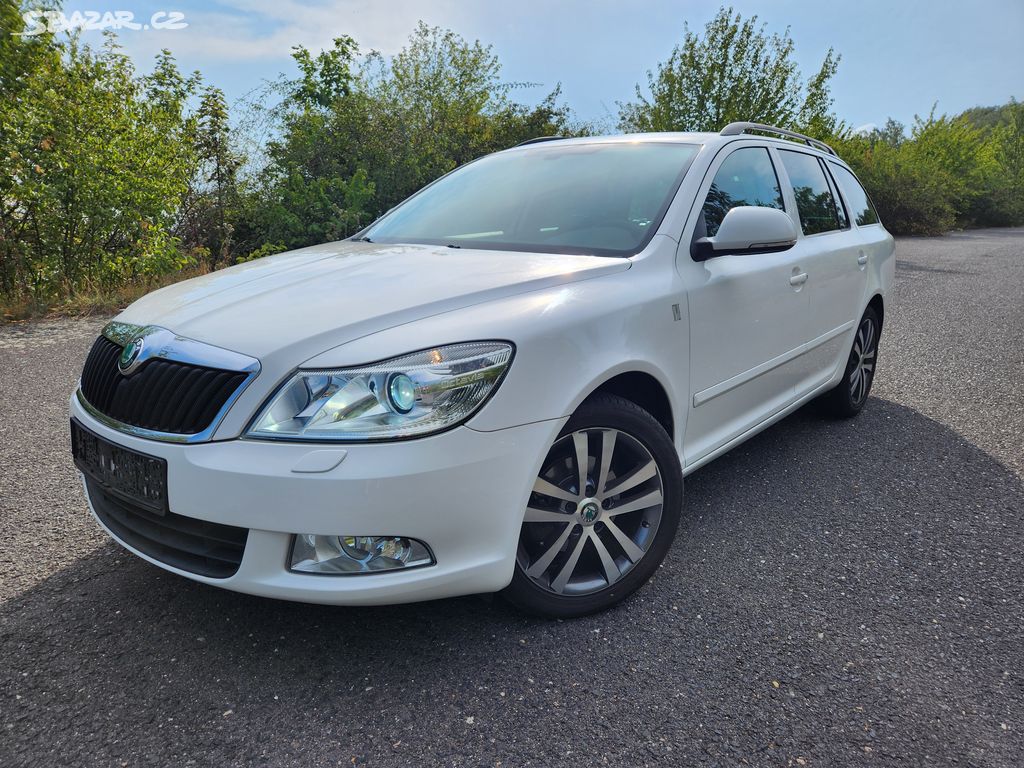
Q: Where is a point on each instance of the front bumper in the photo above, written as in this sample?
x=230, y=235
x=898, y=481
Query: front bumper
x=462, y=492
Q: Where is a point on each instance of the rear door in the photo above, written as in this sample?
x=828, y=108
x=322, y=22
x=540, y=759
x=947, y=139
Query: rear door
x=833, y=255
x=747, y=312
x=875, y=245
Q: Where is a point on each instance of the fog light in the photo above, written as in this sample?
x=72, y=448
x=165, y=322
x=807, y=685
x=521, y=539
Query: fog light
x=344, y=555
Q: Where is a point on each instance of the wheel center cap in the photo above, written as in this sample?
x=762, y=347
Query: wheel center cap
x=589, y=510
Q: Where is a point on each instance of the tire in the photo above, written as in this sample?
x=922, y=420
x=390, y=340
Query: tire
x=582, y=553
x=848, y=398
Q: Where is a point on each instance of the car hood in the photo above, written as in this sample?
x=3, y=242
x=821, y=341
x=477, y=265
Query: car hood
x=310, y=300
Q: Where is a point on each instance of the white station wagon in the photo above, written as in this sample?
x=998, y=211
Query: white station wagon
x=497, y=386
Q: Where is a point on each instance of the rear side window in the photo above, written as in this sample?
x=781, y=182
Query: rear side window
x=861, y=209
x=844, y=220
x=814, y=200
x=746, y=177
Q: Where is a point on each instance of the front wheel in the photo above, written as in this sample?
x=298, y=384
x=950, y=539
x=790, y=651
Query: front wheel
x=602, y=514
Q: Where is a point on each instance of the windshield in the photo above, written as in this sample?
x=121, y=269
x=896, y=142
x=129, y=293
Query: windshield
x=601, y=198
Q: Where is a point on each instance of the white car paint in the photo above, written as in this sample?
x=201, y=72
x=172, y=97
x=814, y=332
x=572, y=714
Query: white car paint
x=736, y=342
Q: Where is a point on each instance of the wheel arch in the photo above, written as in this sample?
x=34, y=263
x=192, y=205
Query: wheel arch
x=642, y=388
x=877, y=303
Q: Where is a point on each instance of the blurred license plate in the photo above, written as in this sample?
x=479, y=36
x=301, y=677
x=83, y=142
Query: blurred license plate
x=135, y=477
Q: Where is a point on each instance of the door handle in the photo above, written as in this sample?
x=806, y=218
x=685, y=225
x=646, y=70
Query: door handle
x=798, y=279
x=862, y=259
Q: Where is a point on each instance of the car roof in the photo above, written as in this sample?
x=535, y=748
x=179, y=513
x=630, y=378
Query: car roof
x=677, y=137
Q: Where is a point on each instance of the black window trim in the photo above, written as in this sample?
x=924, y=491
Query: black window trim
x=837, y=196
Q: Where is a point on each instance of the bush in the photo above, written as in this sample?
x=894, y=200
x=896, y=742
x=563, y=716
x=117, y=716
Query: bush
x=95, y=161
x=358, y=137
x=112, y=182
x=949, y=173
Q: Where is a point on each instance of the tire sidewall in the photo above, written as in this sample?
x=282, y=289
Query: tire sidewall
x=842, y=402
x=623, y=415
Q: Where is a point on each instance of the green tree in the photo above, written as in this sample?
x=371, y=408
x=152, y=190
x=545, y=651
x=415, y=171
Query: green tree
x=357, y=137
x=1002, y=201
x=95, y=160
x=893, y=133
x=937, y=178
x=211, y=207
x=910, y=199
x=312, y=188
x=954, y=153
x=109, y=177
x=439, y=103
x=989, y=118
x=733, y=71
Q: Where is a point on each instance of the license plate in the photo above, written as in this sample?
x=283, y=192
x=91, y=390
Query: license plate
x=135, y=477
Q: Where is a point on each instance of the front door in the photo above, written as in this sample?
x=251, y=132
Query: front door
x=747, y=312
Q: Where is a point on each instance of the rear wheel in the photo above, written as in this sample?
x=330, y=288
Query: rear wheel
x=603, y=512
x=849, y=397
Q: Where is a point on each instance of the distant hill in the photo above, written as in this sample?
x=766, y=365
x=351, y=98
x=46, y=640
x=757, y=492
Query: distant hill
x=987, y=118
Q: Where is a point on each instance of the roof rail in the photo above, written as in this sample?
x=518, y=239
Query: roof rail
x=538, y=140
x=735, y=129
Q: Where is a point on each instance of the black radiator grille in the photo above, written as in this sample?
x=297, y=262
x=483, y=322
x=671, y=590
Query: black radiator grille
x=162, y=395
x=197, y=546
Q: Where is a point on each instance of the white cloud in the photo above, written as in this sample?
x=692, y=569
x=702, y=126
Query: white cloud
x=258, y=30
x=865, y=129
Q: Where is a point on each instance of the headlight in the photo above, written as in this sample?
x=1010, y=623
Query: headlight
x=408, y=396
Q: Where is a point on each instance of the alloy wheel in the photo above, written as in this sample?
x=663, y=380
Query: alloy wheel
x=593, y=514
x=862, y=360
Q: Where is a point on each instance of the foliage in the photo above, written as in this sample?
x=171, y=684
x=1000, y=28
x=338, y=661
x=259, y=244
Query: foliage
x=212, y=204
x=112, y=181
x=356, y=138
x=988, y=118
x=909, y=198
x=734, y=71
x=94, y=162
x=267, y=249
x=1002, y=204
x=947, y=173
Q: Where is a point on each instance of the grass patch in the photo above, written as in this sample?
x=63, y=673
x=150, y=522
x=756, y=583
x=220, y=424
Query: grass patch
x=87, y=299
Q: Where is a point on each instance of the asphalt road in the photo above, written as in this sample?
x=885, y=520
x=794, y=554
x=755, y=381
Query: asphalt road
x=839, y=594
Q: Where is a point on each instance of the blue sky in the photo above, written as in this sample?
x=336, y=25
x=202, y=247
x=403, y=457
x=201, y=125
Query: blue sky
x=898, y=58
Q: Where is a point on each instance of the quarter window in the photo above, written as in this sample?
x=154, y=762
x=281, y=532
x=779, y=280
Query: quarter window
x=861, y=209
x=814, y=200
x=746, y=177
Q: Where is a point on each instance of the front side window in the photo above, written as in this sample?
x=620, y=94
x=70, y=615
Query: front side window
x=861, y=209
x=601, y=198
x=746, y=177
x=814, y=201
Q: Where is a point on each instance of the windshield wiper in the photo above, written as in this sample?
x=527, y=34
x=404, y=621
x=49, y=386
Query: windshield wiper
x=362, y=240
x=453, y=245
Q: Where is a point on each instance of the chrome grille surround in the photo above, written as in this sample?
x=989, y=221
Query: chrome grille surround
x=162, y=344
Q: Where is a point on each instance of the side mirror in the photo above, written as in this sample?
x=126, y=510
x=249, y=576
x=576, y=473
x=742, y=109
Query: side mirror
x=748, y=229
